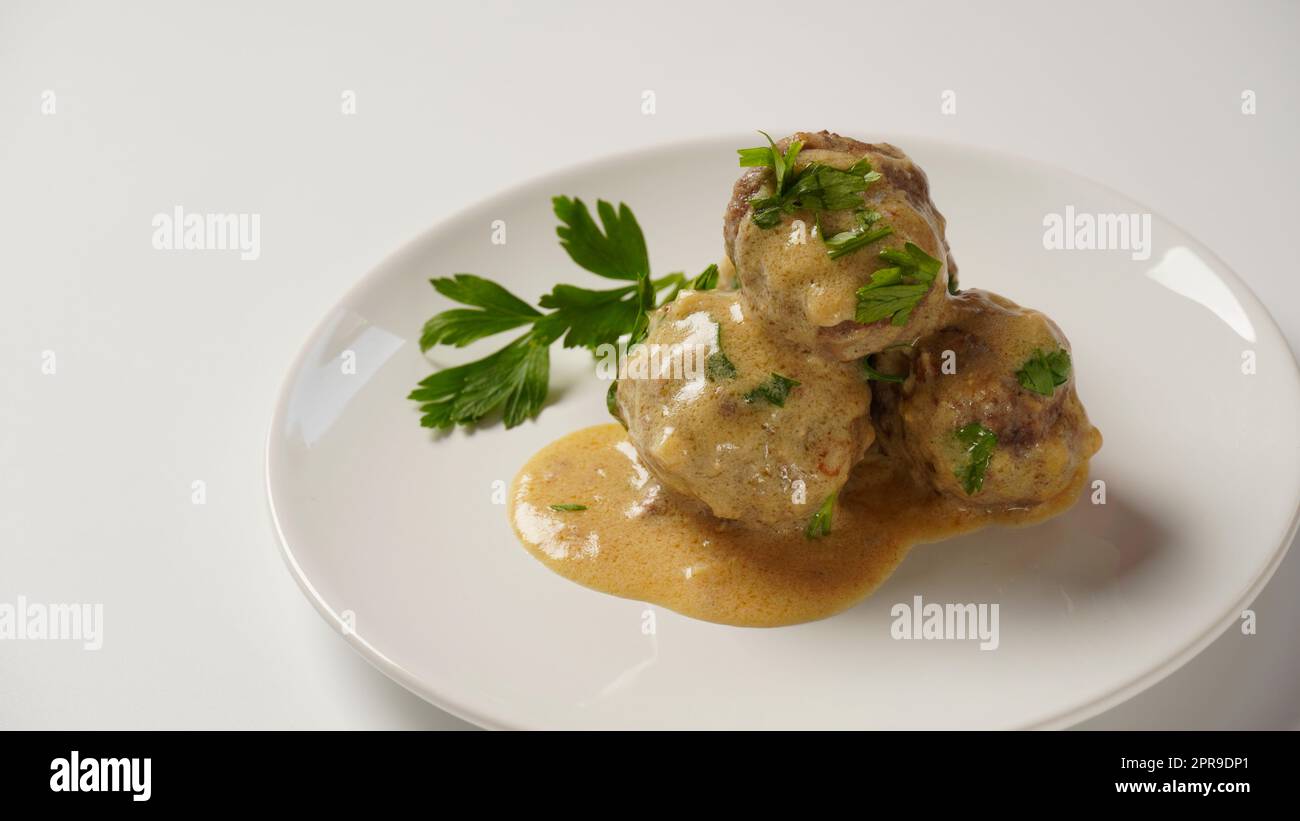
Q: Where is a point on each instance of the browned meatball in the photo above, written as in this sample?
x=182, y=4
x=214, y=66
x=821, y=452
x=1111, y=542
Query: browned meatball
x=970, y=423
x=721, y=411
x=809, y=297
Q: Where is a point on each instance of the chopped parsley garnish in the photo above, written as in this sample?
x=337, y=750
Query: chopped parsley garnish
x=874, y=375
x=893, y=292
x=820, y=524
x=706, y=281
x=866, y=232
x=774, y=390
x=820, y=187
x=515, y=379
x=768, y=213
x=717, y=367
x=887, y=296
x=816, y=187
x=978, y=442
x=912, y=260
x=568, y=508
x=1043, y=373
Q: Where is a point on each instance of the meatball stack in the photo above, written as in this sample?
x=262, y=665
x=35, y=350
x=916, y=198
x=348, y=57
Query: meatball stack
x=767, y=427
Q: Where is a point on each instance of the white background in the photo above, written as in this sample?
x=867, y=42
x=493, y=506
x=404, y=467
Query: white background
x=168, y=363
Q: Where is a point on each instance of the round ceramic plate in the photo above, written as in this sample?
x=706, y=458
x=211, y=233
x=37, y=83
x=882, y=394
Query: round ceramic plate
x=400, y=537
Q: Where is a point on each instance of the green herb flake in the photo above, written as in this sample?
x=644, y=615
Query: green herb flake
x=706, y=281
x=755, y=157
x=865, y=233
x=717, y=367
x=568, y=508
x=1043, y=373
x=820, y=524
x=781, y=165
x=913, y=260
x=978, y=443
x=774, y=391
x=893, y=302
x=894, y=292
x=874, y=375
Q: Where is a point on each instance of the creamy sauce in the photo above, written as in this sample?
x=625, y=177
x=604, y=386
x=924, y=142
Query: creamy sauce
x=639, y=541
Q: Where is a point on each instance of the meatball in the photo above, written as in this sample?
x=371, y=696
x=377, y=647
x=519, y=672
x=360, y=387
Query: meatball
x=811, y=298
x=755, y=428
x=967, y=419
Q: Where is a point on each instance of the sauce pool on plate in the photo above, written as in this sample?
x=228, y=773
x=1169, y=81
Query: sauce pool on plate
x=634, y=539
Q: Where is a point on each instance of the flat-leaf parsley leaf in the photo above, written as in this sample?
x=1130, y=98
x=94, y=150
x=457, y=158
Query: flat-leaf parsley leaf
x=978, y=443
x=893, y=292
x=1043, y=373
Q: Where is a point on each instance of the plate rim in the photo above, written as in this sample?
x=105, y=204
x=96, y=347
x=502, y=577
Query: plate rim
x=424, y=686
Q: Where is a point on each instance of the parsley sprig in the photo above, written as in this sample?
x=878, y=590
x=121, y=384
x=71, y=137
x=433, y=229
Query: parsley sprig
x=516, y=378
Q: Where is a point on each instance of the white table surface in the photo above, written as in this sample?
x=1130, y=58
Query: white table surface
x=167, y=363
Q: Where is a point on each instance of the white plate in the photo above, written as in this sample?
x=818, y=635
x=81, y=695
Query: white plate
x=399, y=539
